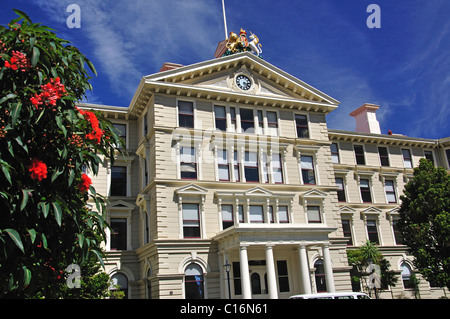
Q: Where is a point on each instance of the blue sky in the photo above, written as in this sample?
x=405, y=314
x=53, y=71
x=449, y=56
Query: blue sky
x=404, y=66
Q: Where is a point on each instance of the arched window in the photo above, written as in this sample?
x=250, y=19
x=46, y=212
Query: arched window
x=119, y=282
x=406, y=275
x=319, y=276
x=256, y=283
x=193, y=282
x=149, y=284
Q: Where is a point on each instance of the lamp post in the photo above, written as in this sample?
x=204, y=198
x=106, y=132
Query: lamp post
x=227, y=269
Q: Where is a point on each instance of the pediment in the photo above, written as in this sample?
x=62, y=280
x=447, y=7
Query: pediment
x=314, y=194
x=191, y=189
x=258, y=191
x=346, y=210
x=371, y=210
x=215, y=79
x=120, y=205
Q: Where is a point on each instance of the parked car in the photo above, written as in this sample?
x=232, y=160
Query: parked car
x=333, y=295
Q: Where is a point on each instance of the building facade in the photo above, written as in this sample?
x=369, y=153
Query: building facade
x=232, y=173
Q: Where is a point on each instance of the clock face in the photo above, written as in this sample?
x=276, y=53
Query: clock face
x=243, y=82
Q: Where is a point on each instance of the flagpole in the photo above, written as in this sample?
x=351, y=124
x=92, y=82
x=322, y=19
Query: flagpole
x=224, y=19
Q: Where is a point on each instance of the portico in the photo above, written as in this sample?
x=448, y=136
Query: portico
x=269, y=261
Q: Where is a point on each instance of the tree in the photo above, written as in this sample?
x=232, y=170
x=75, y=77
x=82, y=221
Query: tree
x=47, y=145
x=424, y=222
x=361, y=260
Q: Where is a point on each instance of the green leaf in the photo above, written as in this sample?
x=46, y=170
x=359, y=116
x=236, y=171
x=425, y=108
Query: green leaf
x=23, y=15
x=91, y=66
x=15, y=111
x=5, y=170
x=71, y=176
x=26, y=276
x=7, y=97
x=45, y=208
x=80, y=240
x=35, y=57
x=44, y=241
x=24, y=199
x=58, y=212
x=15, y=237
x=56, y=174
x=32, y=233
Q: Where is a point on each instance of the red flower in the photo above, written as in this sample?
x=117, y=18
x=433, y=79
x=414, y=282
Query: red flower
x=84, y=184
x=51, y=92
x=18, y=60
x=96, y=133
x=38, y=169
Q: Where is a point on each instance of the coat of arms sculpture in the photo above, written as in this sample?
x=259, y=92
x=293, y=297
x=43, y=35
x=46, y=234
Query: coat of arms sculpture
x=239, y=43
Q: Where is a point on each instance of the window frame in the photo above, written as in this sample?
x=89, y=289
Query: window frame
x=359, y=155
x=367, y=190
x=407, y=159
x=246, y=167
x=308, y=170
x=391, y=192
x=335, y=154
x=123, y=236
x=181, y=162
x=313, y=221
x=114, y=181
x=220, y=118
x=186, y=114
x=308, y=135
x=384, y=157
x=191, y=220
x=373, y=230
x=341, y=191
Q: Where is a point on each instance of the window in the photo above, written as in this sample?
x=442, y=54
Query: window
x=118, y=234
x=122, y=128
x=301, y=123
x=372, y=231
x=283, y=279
x=359, y=154
x=341, y=190
x=277, y=168
x=251, y=167
x=429, y=156
x=256, y=214
x=265, y=168
x=334, y=153
x=233, y=118
x=191, y=221
x=347, y=229
x=364, y=187
x=283, y=215
x=260, y=116
x=447, y=153
x=319, y=276
x=237, y=278
x=247, y=121
x=307, y=166
x=390, y=191
x=384, y=157
x=313, y=213
x=186, y=114
x=221, y=118
x=272, y=123
x=241, y=213
x=406, y=276
x=255, y=280
x=271, y=217
x=121, y=281
x=227, y=216
x=193, y=282
x=237, y=175
x=397, y=235
x=223, y=167
x=118, y=181
x=407, y=160
x=188, y=163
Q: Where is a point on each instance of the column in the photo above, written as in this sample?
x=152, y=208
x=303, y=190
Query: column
x=304, y=270
x=328, y=267
x=271, y=276
x=245, y=275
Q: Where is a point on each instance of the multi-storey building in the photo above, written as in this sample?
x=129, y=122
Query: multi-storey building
x=232, y=173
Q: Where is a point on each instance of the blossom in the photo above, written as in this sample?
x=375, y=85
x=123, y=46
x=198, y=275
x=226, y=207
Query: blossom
x=83, y=186
x=38, y=169
x=51, y=93
x=96, y=133
x=18, y=60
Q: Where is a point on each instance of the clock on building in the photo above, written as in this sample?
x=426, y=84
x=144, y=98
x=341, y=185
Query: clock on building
x=243, y=82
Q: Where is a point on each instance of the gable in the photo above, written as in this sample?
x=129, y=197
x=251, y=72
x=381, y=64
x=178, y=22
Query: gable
x=191, y=189
x=215, y=79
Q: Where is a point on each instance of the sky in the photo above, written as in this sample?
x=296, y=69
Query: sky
x=403, y=66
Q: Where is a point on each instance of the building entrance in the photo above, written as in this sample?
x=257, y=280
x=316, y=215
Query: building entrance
x=258, y=278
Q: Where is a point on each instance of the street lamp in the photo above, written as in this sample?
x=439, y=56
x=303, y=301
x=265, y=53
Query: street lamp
x=227, y=269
